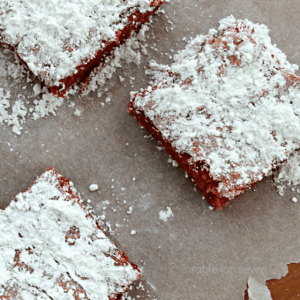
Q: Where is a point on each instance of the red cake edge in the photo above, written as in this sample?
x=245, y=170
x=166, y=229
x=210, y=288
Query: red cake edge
x=196, y=171
x=119, y=257
x=84, y=70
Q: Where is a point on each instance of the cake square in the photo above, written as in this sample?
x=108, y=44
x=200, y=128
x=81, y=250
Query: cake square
x=62, y=42
x=227, y=110
x=52, y=247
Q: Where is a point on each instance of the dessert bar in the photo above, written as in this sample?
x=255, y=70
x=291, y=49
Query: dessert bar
x=52, y=247
x=227, y=110
x=61, y=43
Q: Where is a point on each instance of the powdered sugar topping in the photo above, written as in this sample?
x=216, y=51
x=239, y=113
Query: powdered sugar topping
x=164, y=215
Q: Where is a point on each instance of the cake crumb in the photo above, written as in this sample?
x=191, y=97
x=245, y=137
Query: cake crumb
x=133, y=232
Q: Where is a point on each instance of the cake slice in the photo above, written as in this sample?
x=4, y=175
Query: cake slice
x=51, y=247
x=227, y=110
x=62, y=42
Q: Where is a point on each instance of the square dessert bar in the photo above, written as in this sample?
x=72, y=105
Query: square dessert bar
x=62, y=42
x=227, y=110
x=52, y=247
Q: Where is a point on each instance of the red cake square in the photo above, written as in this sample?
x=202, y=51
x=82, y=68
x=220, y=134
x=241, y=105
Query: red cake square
x=62, y=42
x=52, y=247
x=227, y=110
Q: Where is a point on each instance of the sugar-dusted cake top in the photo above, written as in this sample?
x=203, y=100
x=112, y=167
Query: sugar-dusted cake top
x=230, y=100
x=51, y=247
x=54, y=37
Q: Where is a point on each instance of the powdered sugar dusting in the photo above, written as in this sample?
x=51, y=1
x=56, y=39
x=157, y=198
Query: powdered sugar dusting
x=13, y=109
x=17, y=116
x=164, y=215
x=128, y=52
x=289, y=172
x=93, y=187
x=50, y=246
x=288, y=175
x=48, y=104
x=231, y=101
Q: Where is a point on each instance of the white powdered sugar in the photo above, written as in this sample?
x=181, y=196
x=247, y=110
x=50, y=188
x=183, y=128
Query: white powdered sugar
x=13, y=111
x=52, y=248
x=93, y=187
x=164, y=215
x=54, y=38
x=289, y=172
x=48, y=104
x=231, y=101
x=18, y=113
x=37, y=89
x=128, y=52
x=288, y=175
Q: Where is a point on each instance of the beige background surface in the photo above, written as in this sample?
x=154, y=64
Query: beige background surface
x=259, y=230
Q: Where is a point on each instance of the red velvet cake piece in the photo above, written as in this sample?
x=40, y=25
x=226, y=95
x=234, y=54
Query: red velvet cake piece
x=51, y=247
x=227, y=110
x=62, y=42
